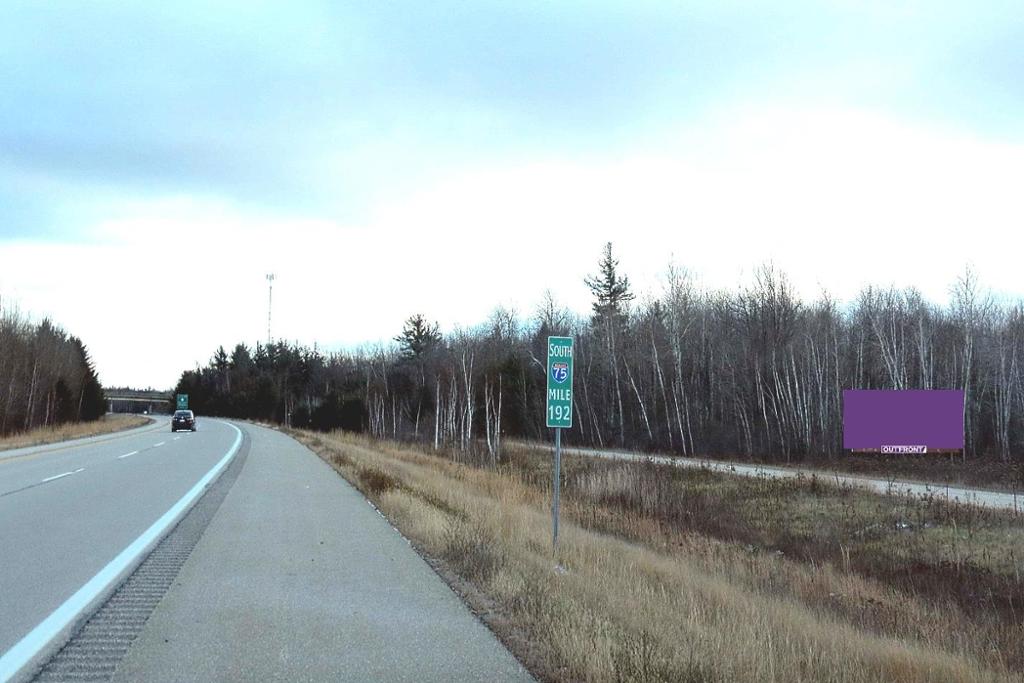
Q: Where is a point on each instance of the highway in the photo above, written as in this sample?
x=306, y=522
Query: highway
x=289, y=573
x=278, y=569
x=66, y=512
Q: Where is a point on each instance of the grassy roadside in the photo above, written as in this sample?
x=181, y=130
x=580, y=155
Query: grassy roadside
x=985, y=472
x=981, y=472
x=675, y=575
x=105, y=425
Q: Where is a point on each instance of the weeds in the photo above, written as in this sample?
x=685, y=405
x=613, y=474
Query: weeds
x=375, y=482
x=467, y=547
x=44, y=435
x=687, y=575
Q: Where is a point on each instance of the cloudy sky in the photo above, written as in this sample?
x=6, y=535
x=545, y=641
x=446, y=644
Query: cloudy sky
x=383, y=158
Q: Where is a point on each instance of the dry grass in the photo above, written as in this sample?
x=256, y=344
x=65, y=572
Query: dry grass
x=986, y=471
x=943, y=469
x=641, y=593
x=105, y=425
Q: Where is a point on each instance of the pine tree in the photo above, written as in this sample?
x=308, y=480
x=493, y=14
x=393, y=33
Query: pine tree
x=418, y=336
x=610, y=290
x=220, y=363
x=611, y=294
x=92, y=402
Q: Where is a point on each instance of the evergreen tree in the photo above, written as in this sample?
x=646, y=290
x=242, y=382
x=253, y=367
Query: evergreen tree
x=418, y=336
x=92, y=403
x=610, y=290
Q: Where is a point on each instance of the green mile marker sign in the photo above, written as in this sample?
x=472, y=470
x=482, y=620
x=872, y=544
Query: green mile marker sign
x=182, y=401
x=559, y=402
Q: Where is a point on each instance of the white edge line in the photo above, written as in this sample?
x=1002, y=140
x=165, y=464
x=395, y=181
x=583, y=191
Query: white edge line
x=26, y=649
x=127, y=455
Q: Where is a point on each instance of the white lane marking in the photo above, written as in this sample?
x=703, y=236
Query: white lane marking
x=127, y=455
x=159, y=444
x=32, y=451
x=66, y=474
x=176, y=438
x=29, y=647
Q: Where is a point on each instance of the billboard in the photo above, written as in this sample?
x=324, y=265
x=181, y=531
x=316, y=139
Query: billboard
x=913, y=421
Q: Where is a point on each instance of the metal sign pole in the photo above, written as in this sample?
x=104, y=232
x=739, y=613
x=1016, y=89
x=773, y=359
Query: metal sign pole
x=557, y=486
x=558, y=411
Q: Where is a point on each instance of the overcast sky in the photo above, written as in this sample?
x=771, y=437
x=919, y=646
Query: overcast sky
x=385, y=158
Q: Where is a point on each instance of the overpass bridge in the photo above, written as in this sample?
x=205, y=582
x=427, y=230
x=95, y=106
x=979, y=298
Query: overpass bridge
x=137, y=401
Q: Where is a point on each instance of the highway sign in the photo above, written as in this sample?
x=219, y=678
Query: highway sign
x=559, y=394
x=182, y=401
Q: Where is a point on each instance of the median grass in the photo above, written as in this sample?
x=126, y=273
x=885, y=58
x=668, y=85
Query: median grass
x=666, y=574
x=75, y=430
x=981, y=471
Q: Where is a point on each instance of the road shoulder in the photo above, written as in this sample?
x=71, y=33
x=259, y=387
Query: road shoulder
x=299, y=578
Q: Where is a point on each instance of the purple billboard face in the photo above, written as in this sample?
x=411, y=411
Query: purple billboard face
x=903, y=421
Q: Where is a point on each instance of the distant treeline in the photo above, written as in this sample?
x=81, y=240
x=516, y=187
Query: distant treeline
x=46, y=375
x=754, y=371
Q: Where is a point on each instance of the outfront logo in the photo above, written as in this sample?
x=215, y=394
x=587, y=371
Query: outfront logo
x=559, y=372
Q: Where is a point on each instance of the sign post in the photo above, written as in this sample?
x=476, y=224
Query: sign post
x=558, y=410
x=182, y=401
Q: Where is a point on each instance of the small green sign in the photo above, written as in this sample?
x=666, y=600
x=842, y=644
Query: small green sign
x=182, y=401
x=559, y=395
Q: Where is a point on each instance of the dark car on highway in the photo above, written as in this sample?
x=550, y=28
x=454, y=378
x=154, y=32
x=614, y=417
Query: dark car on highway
x=183, y=419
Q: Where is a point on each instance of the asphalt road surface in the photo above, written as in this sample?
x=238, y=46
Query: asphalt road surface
x=65, y=513
x=293, y=577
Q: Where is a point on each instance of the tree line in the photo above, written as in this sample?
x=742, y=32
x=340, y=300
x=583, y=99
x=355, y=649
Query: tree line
x=753, y=371
x=46, y=375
